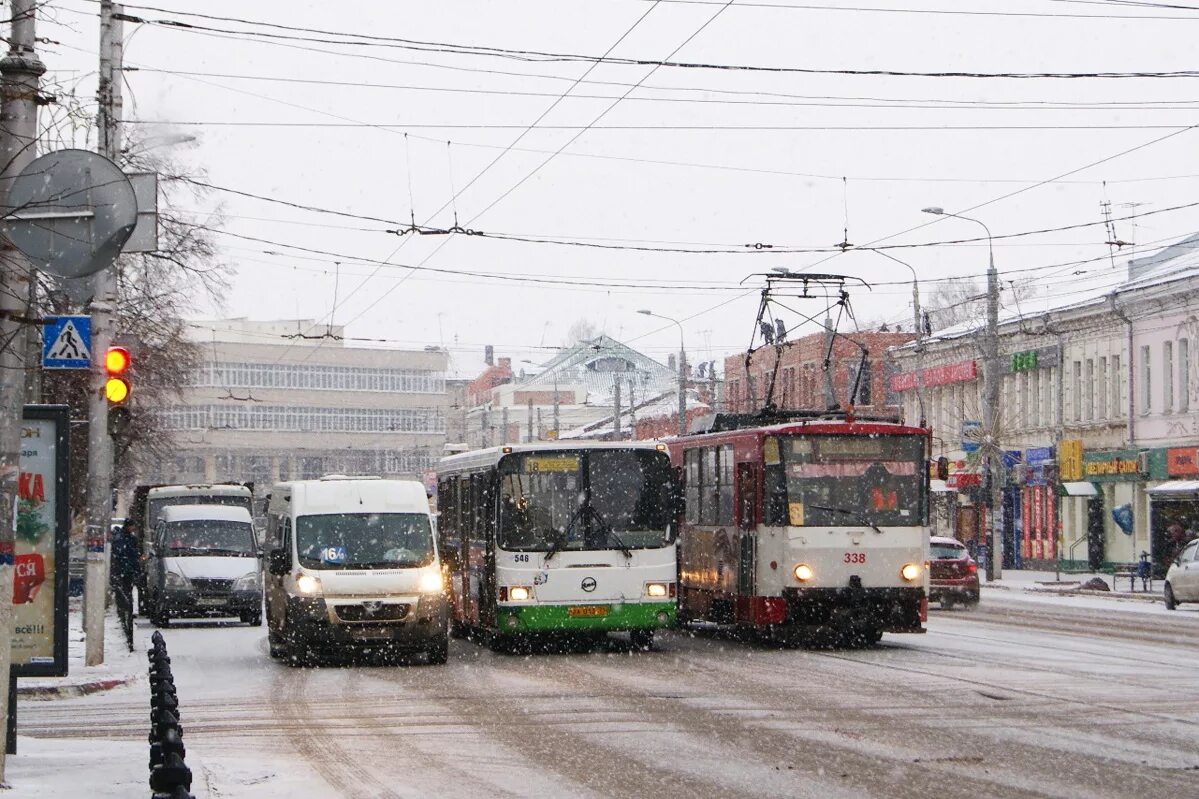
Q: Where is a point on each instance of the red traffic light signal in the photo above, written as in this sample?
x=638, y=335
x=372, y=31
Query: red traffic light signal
x=116, y=385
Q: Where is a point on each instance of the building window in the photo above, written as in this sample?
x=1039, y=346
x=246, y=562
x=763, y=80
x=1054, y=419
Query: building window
x=1168, y=376
x=1076, y=391
x=1101, y=389
x=1184, y=375
x=1047, y=411
x=1034, y=398
x=1117, y=388
x=1146, y=386
x=1088, y=391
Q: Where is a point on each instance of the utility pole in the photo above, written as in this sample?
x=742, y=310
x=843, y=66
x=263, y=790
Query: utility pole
x=504, y=423
x=20, y=70
x=830, y=396
x=557, y=429
x=616, y=400
x=530, y=434
x=682, y=370
x=992, y=455
x=99, y=456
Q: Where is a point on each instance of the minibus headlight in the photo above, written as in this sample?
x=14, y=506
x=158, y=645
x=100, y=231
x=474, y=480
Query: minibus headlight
x=803, y=572
x=655, y=589
x=910, y=571
x=520, y=593
x=247, y=582
x=307, y=584
x=177, y=581
x=432, y=583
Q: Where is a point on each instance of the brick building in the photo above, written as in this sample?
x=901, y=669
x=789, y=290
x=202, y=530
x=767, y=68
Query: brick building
x=802, y=383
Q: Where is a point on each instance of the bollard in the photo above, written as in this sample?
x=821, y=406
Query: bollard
x=170, y=778
x=170, y=775
x=179, y=793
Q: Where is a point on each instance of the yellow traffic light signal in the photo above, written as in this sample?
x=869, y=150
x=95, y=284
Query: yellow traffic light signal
x=116, y=385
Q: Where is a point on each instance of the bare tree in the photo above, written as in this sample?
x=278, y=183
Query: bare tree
x=956, y=300
x=581, y=330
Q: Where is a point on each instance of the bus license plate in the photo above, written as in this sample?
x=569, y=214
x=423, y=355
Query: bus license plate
x=587, y=610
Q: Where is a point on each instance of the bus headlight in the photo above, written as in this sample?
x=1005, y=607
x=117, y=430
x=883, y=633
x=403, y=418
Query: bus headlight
x=910, y=571
x=803, y=572
x=431, y=583
x=656, y=589
x=308, y=585
x=520, y=593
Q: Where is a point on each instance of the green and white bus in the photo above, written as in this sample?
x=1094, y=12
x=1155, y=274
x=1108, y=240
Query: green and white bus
x=560, y=538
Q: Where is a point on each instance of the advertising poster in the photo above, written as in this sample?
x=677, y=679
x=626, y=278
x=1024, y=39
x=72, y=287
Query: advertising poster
x=39, y=644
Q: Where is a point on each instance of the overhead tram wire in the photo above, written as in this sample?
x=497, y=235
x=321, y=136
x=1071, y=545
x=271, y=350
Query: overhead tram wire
x=650, y=128
x=539, y=56
x=560, y=149
x=680, y=164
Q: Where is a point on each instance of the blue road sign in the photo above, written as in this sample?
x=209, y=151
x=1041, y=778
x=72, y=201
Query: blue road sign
x=67, y=342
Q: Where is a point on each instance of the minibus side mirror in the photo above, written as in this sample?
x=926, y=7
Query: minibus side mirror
x=278, y=563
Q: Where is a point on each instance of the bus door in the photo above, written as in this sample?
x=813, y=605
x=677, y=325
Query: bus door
x=747, y=504
x=485, y=520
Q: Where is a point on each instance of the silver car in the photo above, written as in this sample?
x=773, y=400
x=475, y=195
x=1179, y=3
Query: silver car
x=1182, y=580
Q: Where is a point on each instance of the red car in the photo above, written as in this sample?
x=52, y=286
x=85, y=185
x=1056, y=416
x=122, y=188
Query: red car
x=952, y=573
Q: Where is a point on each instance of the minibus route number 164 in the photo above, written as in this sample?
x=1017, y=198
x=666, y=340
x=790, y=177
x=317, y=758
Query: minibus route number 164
x=556, y=538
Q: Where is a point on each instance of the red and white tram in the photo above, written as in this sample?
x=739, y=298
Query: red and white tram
x=805, y=529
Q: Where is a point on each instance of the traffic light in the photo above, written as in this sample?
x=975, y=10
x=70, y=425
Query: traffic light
x=116, y=367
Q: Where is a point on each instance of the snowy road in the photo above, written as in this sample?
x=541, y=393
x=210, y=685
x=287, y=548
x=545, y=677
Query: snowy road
x=1021, y=698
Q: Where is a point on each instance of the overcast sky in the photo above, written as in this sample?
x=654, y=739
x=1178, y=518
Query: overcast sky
x=669, y=171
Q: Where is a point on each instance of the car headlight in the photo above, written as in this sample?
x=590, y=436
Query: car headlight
x=520, y=593
x=177, y=581
x=309, y=585
x=432, y=583
x=910, y=571
x=656, y=589
x=247, y=582
x=803, y=572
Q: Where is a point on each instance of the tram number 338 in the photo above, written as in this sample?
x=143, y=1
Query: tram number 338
x=855, y=557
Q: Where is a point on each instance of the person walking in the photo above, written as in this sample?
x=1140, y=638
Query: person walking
x=125, y=565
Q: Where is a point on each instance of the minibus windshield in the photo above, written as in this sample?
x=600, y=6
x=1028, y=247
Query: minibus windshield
x=209, y=537
x=364, y=540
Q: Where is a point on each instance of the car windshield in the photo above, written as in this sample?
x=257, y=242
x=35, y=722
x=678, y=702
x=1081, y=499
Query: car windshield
x=818, y=481
x=364, y=540
x=585, y=500
x=199, y=537
x=946, y=552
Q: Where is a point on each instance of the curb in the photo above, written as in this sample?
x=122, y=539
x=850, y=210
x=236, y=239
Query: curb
x=1139, y=597
x=49, y=692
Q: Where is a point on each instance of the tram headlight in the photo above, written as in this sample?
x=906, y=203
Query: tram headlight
x=520, y=593
x=656, y=589
x=910, y=572
x=803, y=572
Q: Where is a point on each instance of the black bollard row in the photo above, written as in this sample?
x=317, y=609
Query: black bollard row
x=170, y=778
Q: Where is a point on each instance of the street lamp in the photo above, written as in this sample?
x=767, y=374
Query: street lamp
x=682, y=370
x=556, y=429
x=917, y=328
x=990, y=398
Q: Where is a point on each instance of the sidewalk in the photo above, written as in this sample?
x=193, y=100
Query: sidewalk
x=1043, y=582
x=120, y=668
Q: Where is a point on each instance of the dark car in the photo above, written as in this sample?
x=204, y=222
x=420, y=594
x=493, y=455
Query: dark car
x=952, y=573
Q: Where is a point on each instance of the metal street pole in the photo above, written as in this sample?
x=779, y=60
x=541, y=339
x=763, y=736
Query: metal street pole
x=20, y=70
x=682, y=371
x=992, y=458
x=915, y=328
x=99, y=472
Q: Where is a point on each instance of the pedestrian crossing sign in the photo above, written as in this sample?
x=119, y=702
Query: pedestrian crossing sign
x=67, y=342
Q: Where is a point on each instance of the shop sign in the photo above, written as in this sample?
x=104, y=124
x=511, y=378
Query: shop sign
x=1122, y=465
x=1069, y=458
x=961, y=372
x=1030, y=360
x=1182, y=461
x=1038, y=456
x=963, y=480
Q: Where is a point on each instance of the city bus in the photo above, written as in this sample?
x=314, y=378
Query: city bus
x=811, y=529
x=557, y=539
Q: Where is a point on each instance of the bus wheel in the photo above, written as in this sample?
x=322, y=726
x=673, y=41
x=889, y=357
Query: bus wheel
x=642, y=640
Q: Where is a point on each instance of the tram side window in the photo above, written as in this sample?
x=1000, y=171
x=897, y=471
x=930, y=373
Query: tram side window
x=691, y=474
x=708, y=487
x=724, y=488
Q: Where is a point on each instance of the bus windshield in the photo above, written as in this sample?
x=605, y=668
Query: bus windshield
x=585, y=500
x=839, y=481
x=364, y=540
x=225, y=500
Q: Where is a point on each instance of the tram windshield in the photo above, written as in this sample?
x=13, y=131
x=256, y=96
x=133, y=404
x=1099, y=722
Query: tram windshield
x=567, y=500
x=819, y=481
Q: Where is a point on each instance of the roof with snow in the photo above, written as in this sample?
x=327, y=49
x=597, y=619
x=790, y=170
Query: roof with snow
x=595, y=363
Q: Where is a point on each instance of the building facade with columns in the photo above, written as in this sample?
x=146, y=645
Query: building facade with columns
x=266, y=407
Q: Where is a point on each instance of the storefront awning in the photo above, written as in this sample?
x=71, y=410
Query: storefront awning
x=1080, y=489
x=1175, y=488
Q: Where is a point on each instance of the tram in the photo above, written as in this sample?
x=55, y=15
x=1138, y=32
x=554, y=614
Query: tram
x=805, y=528
x=556, y=538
